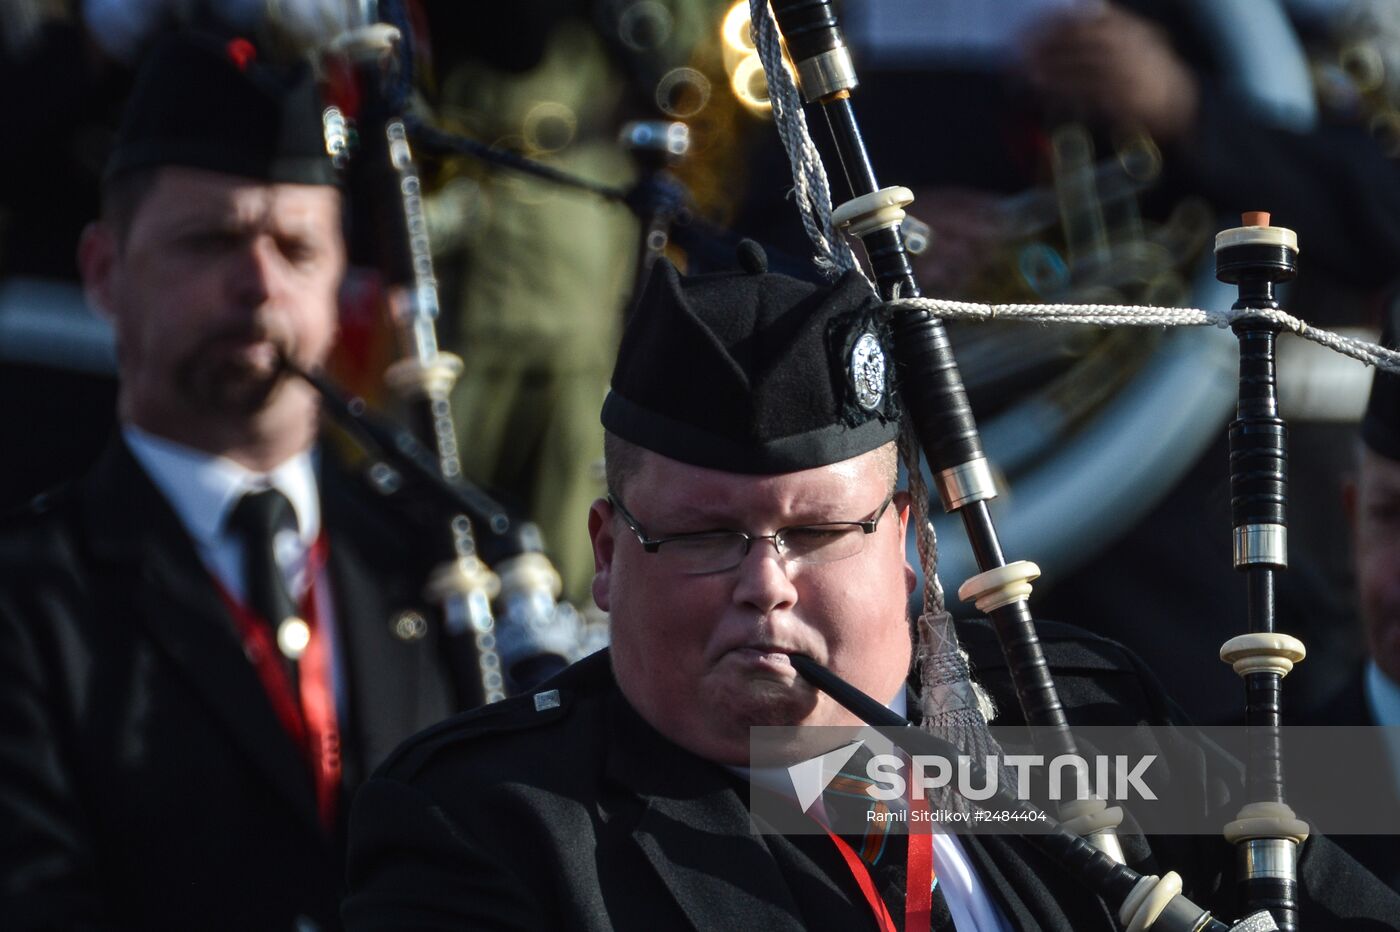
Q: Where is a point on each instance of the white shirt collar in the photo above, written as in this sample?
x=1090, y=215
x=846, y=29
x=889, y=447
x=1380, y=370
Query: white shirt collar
x=203, y=487
x=1382, y=695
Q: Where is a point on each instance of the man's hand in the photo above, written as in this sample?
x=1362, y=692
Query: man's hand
x=1116, y=67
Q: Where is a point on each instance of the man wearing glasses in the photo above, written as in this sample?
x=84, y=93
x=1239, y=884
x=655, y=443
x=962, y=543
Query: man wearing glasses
x=752, y=515
x=725, y=608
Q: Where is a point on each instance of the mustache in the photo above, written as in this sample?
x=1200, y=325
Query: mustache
x=213, y=343
x=245, y=332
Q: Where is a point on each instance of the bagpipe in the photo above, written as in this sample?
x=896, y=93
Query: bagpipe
x=496, y=590
x=505, y=628
x=1253, y=257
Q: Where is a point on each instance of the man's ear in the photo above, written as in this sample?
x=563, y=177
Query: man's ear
x=97, y=259
x=903, y=504
x=600, y=532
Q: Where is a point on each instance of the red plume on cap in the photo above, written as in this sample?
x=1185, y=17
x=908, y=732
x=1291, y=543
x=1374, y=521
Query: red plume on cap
x=240, y=52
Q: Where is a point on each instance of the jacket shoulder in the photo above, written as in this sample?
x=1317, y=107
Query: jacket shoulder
x=39, y=534
x=518, y=734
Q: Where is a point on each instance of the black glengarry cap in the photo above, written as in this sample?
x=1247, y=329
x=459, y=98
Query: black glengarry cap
x=754, y=372
x=204, y=102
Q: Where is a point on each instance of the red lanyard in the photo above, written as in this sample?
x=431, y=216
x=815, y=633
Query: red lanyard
x=918, y=877
x=309, y=718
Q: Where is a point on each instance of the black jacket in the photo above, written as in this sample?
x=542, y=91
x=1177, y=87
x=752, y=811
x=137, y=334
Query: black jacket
x=578, y=815
x=145, y=781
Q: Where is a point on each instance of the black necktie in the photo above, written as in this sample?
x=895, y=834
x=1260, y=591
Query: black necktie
x=256, y=520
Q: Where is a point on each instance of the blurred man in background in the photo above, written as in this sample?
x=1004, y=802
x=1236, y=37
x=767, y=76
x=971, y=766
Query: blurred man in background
x=209, y=639
x=1370, y=695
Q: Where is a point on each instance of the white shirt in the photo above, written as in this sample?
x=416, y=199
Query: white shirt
x=204, y=488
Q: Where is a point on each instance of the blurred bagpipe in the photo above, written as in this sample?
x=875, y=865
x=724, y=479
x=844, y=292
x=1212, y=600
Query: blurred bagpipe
x=504, y=626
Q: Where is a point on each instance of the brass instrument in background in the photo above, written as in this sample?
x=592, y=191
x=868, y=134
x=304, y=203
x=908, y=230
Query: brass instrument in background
x=1357, y=73
x=1081, y=239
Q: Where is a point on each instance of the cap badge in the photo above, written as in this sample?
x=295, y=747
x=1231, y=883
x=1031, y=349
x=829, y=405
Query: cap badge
x=868, y=371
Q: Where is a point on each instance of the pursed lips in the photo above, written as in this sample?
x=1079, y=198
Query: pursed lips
x=766, y=649
x=763, y=652
x=762, y=636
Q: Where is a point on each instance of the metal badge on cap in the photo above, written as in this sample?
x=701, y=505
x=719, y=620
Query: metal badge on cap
x=868, y=371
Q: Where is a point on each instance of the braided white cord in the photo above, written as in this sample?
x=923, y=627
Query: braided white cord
x=1126, y=315
x=809, y=178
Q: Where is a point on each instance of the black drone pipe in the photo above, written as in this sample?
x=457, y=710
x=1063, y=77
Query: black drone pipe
x=932, y=390
x=404, y=452
x=1255, y=257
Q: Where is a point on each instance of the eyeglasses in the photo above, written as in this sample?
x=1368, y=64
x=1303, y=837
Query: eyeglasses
x=717, y=551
